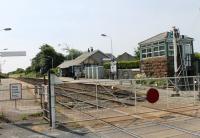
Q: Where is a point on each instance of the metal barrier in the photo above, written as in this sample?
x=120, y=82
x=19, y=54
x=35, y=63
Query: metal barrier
x=184, y=93
x=28, y=104
x=110, y=105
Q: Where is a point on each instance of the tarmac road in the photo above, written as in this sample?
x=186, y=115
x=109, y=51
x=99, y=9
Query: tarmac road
x=22, y=131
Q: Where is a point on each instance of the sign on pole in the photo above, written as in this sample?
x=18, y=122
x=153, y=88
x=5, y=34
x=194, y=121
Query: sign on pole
x=152, y=95
x=113, y=66
x=12, y=53
x=15, y=91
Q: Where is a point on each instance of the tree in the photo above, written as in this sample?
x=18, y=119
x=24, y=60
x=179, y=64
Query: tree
x=18, y=70
x=44, y=58
x=197, y=55
x=73, y=53
x=137, y=53
x=28, y=70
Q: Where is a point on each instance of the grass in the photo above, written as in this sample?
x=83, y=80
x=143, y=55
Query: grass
x=24, y=75
x=24, y=117
x=39, y=114
x=4, y=118
x=155, y=83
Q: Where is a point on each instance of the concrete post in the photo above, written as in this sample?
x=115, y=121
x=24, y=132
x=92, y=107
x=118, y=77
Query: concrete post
x=97, y=73
x=53, y=116
x=97, y=96
x=88, y=72
x=92, y=72
x=194, y=89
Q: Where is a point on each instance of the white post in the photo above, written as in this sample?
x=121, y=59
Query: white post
x=97, y=96
x=97, y=73
x=175, y=58
x=0, y=71
x=135, y=94
x=53, y=116
x=88, y=72
x=175, y=51
x=92, y=72
x=167, y=93
x=194, y=89
x=198, y=87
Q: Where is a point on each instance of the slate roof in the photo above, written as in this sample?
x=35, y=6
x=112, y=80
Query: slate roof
x=109, y=55
x=78, y=60
x=159, y=37
x=125, y=56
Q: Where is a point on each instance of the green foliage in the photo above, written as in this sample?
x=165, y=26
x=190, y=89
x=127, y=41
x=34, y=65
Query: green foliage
x=28, y=70
x=73, y=53
x=44, y=58
x=3, y=75
x=153, y=83
x=124, y=65
x=17, y=71
x=38, y=114
x=197, y=55
x=106, y=65
x=137, y=53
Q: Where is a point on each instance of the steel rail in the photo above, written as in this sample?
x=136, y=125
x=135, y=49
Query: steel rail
x=113, y=100
x=117, y=127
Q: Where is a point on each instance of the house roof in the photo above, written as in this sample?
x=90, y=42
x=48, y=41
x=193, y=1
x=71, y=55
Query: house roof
x=78, y=60
x=109, y=55
x=155, y=38
x=125, y=56
x=160, y=37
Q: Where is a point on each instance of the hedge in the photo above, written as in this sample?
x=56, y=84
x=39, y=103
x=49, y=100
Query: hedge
x=124, y=65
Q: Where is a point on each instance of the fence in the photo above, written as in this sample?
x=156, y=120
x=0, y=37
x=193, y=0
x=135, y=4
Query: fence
x=29, y=104
x=103, y=106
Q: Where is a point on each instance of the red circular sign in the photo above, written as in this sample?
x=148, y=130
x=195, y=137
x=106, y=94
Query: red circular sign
x=152, y=95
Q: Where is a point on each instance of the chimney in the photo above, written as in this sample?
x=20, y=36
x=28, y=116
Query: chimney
x=92, y=49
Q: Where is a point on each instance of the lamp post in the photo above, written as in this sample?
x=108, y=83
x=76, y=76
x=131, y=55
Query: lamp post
x=5, y=29
x=72, y=57
x=111, y=48
x=113, y=66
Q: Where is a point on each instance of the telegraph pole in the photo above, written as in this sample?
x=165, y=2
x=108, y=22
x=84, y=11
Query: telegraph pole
x=175, y=36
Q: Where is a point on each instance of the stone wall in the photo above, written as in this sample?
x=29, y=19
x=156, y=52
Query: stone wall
x=155, y=67
x=123, y=73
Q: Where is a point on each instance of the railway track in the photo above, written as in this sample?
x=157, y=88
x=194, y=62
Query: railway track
x=86, y=92
x=71, y=93
x=91, y=95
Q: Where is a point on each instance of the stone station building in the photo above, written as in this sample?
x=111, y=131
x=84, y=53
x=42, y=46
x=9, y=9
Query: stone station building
x=157, y=55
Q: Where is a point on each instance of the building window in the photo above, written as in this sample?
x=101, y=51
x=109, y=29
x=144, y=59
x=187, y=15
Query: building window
x=171, y=53
x=162, y=50
x=155, y=51
x=162, y=42
x=170, y=49
x=149, y=52
x=162, y=53
x=144, y=53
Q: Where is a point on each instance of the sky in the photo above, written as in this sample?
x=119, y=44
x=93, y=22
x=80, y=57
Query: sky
x=79, y=24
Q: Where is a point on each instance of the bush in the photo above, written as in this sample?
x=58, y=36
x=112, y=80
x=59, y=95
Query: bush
x=197, y=55
x=124, y=65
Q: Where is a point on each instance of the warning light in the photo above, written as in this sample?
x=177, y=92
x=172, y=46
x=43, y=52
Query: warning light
x=152, y=95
